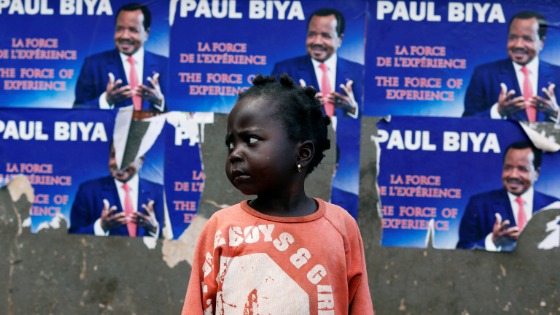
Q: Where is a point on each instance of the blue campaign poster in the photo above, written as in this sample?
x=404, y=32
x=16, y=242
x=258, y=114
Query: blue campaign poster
x=72, y=158
x=430, y=167
x=218, y=47
x=420, y=55
x=44, y=44
x=183, y=173
x=266, y=37
x=56, y=150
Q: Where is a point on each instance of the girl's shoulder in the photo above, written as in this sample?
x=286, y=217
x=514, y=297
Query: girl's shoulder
x=340, y=218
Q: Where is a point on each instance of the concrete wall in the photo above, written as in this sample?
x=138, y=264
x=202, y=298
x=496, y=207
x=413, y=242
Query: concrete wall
x=55, y=273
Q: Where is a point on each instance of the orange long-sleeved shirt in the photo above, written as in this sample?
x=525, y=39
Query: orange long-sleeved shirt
x=250, y=263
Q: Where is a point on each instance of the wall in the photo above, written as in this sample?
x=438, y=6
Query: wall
x=56, y=273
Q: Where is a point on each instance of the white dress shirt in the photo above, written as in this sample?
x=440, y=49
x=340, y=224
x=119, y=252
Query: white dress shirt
x=133, y=186
x=533, y=67
x=331, y=63
x=527, y=208
x=138, y=57
x=331, y=71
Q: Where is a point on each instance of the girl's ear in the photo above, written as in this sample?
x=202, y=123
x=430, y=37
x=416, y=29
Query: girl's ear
x=306, y=151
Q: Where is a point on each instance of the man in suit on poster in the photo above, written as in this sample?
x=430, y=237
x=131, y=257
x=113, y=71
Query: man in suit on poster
x=340, y=84
x=128, y=74
x=521, y=87
x=493, y=220
x=119, y=204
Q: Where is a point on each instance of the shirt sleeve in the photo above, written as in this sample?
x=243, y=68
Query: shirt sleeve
x=98, y=230
x=494, y=114
x=103, y=104
x=202, y=286
x=359, y=295
x=489, y=244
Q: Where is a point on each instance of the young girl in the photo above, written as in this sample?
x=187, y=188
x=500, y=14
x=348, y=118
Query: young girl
x=282, y=252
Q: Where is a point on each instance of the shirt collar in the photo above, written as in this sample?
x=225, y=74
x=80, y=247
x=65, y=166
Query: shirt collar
x=533, y=66
x=526, y=196
x=132, y=182
x=138, y=56
x=330, y=62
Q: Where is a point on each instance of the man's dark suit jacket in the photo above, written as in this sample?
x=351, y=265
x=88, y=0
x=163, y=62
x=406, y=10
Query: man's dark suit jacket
x=348, y=128
x=479, y=217
x=484, y=88
x=94, y=77
x=88, y=204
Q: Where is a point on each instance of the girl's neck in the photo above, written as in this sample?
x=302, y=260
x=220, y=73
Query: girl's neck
x=298, y=206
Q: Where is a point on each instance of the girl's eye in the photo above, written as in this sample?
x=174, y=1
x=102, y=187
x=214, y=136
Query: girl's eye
x=229, y=145
x=253, y=140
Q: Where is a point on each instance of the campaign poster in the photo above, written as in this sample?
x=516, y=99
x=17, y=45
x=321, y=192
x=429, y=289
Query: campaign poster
x=76, y=161
x=45, y=43
x=184, y=174
x=421, y=55
x=56, y=150
x=431, y=168
x=217, y=47
x=230, y=42
x=159, y=159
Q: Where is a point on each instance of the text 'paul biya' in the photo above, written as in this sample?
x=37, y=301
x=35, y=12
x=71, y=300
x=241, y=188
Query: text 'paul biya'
x=60, y=131
x=418, y=11
x=451, y=141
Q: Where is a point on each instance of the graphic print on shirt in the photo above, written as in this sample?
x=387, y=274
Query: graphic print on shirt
x=268, y=282
x=257, y=284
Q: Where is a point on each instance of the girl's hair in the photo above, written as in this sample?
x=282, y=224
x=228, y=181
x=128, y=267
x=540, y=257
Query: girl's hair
x=298, y=110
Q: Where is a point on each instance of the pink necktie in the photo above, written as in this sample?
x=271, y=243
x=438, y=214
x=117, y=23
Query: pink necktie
x=326, y=89
x=521, y=218
x=528, y=94
x=128, y=210
x=133, y=78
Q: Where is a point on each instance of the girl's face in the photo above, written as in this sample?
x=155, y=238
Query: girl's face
x=261, y=159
